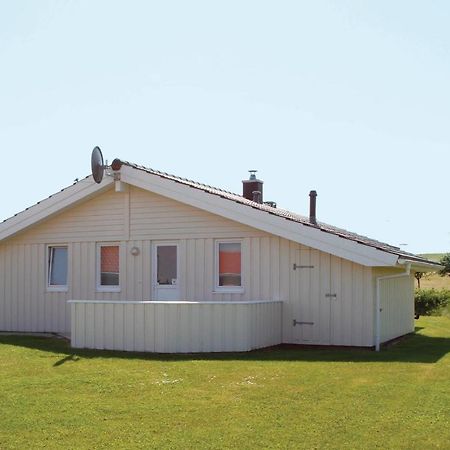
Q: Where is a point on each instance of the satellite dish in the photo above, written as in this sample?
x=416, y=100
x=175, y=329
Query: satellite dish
x=97, y=165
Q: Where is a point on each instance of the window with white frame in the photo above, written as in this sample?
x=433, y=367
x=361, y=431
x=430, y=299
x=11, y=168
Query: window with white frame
x=57, y=267
x=228, y=266
x=108, y=277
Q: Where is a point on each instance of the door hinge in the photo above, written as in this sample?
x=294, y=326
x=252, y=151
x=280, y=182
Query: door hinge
x=296, y=322
x=296, y=266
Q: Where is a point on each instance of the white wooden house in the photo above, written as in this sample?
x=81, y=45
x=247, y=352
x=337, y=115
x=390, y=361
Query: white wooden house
x=147, y=261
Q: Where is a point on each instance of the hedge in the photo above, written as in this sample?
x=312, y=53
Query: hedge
x=428, y=302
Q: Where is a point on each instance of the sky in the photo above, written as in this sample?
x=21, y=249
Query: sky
x=350, y=98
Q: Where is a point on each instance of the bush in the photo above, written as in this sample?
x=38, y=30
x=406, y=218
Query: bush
x=429, y=302
x=445, y=261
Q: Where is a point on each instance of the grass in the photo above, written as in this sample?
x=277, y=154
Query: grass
x=434, y=280
x=54, y=397
x=433, y=256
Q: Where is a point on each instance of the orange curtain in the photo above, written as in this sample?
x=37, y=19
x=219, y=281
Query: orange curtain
x=110, y=259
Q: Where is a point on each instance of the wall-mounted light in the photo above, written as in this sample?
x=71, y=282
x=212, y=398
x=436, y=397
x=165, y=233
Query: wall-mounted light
x=135, y=251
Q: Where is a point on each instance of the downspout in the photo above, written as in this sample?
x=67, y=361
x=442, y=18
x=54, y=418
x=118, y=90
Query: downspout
x=378, y=301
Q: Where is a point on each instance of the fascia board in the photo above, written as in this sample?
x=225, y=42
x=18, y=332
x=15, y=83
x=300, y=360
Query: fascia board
x=423, y=267
x=56, y=203
x=261, y=220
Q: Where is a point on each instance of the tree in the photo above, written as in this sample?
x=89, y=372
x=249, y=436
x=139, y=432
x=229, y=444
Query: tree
x=445, y=261
x=418, y=276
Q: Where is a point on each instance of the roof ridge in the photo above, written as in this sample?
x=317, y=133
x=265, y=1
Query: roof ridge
x=166, y=174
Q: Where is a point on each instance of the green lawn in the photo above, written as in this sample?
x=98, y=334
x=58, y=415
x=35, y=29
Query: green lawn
x=54, y=397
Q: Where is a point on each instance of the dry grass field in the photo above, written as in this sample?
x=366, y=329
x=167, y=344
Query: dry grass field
x=434, y=280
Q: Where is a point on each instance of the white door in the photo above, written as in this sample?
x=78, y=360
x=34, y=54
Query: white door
x=166, y=284
x=314, y=297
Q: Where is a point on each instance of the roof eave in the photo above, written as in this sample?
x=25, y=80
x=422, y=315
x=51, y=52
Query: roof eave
x=420, y=266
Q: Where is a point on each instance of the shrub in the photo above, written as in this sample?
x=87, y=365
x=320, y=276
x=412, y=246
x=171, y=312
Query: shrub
x=445, y=261
x=428, y=302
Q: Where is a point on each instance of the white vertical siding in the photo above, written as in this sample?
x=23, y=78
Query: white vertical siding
x=3, y=313
x=175, y=327
x=137, y=219
x=150, y=215
x=111, y=217
x=397, y=307
x=24, y=304
x=330, y=298
x=267, y=273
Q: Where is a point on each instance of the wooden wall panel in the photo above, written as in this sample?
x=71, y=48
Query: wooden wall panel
x=151, y=214
x=101, y=217
x=397, y=304
x=138, y=219
x=2, y=288
x=171, y=327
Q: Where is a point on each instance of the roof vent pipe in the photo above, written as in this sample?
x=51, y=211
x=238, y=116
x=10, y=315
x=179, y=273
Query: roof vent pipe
x=312, y=207
x=257, y=196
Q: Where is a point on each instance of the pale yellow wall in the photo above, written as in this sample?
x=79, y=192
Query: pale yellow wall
x=397, y=305
x=136, y=219
x=334, y=296
x=137, y=215
x=100, y=218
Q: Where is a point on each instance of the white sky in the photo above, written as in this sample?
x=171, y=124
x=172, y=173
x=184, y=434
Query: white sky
x=351, y=98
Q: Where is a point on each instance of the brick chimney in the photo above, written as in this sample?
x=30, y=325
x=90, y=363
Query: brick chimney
x=253, y=185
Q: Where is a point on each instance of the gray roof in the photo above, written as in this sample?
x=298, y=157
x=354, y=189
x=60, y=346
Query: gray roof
x=288, y=215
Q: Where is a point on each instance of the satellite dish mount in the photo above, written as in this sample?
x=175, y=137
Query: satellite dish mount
x=97, y=165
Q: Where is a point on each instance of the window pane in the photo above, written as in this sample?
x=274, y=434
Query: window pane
x=109, y=279
x=230, y=264
x=109, y=265
x=166, y=270
x=57, y=269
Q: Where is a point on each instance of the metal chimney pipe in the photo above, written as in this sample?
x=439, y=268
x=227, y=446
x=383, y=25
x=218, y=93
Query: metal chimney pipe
x=312, y=207
x=257, y=196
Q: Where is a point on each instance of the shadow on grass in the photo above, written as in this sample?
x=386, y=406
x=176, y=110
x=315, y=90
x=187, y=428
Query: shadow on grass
x=413, y=348
x=72, y=357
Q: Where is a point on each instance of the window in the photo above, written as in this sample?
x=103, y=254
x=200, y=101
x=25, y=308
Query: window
x=166, y=265
x=57, y=268
x=228, y=266
x=108, y=274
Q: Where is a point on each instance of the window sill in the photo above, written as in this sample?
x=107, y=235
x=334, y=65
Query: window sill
x=221, y=290
x=108, y=289
x=57, y=289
